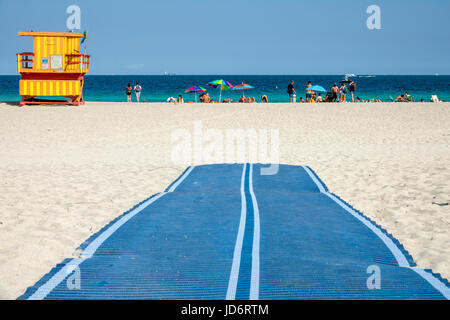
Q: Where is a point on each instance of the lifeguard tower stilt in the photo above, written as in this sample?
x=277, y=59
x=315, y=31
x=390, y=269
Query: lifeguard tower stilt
x=55, y=68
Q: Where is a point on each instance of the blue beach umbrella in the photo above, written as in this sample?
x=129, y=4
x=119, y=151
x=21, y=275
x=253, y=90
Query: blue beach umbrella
x=316, y=88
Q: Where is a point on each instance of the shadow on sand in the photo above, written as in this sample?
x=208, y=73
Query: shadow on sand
x=17, y=104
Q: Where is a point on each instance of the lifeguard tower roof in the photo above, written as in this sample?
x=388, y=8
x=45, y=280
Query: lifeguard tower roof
x=52, y=34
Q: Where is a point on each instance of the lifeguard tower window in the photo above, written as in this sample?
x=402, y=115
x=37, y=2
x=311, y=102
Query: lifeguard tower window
x=27, y=61
x=56, y=61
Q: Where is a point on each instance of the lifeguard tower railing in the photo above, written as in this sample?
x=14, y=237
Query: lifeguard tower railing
x=73, y=63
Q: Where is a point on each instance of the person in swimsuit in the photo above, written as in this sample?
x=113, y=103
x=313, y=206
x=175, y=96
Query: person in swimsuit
x=129, y=89
x=291, y=91
x=308, y=92
x=334, y=91
x=408, y=97
x=342, y=92
x=319, y=98
x=352, y=88
x=264, y=98
x=137, y=91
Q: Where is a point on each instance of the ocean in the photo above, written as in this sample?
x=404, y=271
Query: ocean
x=157, y=88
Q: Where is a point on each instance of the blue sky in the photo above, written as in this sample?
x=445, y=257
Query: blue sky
x=242, y=36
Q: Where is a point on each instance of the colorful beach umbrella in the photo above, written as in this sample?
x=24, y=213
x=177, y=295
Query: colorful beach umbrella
x=224, y=85
x=195, y=89
x=242, y=87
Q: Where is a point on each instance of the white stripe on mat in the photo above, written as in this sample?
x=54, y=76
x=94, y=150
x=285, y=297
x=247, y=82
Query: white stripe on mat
x=176, y=184
x=87, y=253
x=254, y=282
x=234, y=274
x=398, y=254
x=442, y=288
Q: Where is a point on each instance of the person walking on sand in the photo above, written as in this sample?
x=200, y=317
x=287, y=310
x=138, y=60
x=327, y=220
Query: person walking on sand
x=129, y=89
x=137, y=91
x=334, y=91
x=351, y=88
x=291, y=91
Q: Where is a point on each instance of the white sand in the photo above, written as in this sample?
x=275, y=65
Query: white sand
x=67, y=171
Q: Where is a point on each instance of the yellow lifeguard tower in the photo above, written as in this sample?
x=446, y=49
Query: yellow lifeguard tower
x=54, y=68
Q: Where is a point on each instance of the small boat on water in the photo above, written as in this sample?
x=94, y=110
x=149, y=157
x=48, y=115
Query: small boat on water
x=347, y=75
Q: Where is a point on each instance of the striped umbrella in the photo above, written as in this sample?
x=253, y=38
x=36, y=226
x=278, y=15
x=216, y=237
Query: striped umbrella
x=224, y=85
x=242, y=87
x=195, y=89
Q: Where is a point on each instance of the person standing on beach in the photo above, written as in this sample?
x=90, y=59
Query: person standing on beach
x=137, y=91
x=291, y=91
x=334, y=91
x=351, y=88
x=308, y=92
x=129, y=89
x=343, y=93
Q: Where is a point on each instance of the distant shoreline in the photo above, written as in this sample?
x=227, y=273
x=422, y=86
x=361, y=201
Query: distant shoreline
x=13, y=103
x=255, y=75
x=158, y=88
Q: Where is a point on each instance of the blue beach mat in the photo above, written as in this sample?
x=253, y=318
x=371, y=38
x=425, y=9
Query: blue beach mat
x=229, y=232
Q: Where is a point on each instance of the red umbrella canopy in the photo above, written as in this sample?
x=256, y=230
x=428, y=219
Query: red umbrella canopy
x=243, y=86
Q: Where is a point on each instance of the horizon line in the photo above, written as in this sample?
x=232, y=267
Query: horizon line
x=270, y=74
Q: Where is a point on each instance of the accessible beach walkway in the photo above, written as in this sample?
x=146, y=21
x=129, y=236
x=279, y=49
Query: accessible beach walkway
x=228, y=232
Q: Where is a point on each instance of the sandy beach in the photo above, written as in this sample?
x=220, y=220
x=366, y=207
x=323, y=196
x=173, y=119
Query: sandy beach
x=67, y=171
